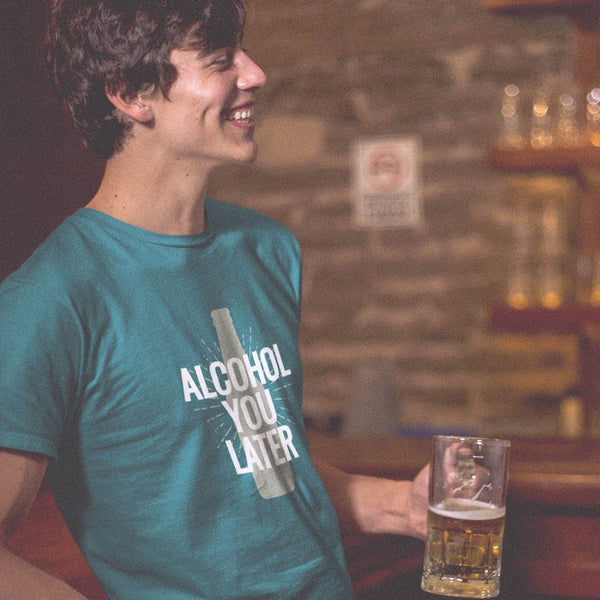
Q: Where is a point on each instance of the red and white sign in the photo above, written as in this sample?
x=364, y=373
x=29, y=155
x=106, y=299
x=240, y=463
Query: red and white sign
x=387, y=182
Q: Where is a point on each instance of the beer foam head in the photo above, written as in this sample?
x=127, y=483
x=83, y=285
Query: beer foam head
x=471, y=510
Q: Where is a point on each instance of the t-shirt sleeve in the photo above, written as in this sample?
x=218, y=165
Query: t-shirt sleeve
x=296, y=271
x=40, y=354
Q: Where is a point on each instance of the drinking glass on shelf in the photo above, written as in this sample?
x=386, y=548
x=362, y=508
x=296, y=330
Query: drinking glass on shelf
x=512, y=133
x=593, y=116
x=541, y=133
x=551, y=283
x=519, y=293
x=551, y=276
x=588, y=279
x=568, y=122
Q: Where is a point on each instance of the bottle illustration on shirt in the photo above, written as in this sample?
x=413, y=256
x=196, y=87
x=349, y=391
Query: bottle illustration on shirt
x=265, y=445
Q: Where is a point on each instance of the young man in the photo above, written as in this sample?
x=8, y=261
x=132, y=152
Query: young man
x=148, y=349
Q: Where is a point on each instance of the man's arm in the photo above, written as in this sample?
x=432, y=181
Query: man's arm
x=21, y=475
x=378, y=505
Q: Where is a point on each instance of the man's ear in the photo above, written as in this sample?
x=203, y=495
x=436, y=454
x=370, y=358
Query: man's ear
x=134, y=105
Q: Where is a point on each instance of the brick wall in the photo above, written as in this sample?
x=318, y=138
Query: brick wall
x=395, y=321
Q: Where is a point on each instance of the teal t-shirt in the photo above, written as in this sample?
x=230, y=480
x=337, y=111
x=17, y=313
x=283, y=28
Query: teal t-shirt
x=162, y=376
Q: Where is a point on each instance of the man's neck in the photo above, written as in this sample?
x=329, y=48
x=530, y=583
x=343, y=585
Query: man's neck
x=152, y=195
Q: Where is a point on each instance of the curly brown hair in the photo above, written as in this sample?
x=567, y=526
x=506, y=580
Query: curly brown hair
x=125, y=46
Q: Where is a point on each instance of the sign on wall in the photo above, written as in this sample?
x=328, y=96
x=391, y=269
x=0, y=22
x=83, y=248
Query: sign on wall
x=387, y=182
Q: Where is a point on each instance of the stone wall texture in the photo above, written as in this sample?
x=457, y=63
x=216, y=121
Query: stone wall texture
x=395, y=327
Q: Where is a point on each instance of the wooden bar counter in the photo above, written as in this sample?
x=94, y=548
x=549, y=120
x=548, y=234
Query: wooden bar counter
x=552, y=541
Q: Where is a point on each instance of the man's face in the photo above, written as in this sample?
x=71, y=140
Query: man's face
x=209, y=114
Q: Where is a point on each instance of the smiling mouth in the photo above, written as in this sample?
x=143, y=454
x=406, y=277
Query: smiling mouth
x=242, y=115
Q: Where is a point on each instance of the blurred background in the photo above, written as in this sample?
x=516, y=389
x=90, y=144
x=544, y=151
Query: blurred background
x=477, y=312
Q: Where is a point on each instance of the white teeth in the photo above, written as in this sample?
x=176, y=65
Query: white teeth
x=240, y=115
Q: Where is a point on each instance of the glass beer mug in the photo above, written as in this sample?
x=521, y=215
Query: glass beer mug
x=465, y=524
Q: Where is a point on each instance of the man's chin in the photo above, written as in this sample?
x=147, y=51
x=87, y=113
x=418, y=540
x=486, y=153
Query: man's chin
x=249, y=156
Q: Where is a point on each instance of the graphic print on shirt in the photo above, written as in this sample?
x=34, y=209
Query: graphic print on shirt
x=239, y=380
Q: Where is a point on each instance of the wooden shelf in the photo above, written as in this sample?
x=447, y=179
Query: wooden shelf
x=568, y=319
x=536, y=4
x=554, y=159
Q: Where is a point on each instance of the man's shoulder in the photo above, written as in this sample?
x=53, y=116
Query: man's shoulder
x=235, y=215
x=54, y=263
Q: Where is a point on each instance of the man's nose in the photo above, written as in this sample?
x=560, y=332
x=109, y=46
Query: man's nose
x=250, y=74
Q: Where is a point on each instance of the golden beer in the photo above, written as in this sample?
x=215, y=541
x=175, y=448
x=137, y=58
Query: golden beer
x=464, y=548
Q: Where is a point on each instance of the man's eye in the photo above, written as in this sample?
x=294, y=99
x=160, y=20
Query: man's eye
x=223, y=61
